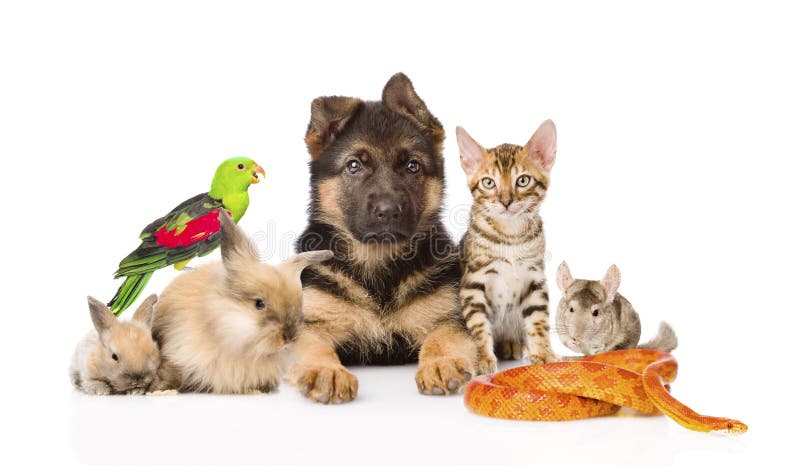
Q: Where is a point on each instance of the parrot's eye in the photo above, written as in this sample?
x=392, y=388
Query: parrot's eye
x=260, y=304
x=353, y=166
x=114, y=356
x=595, y=312
x=240, y=166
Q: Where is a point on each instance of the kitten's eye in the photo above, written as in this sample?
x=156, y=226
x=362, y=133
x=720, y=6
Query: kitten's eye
x=487, y=183
x=114, y=356
x=523, y=180
x=571, y=310
x=595, y=312
x=240, y=166
x=353, y=166
x=260, y=304
x=413, y=167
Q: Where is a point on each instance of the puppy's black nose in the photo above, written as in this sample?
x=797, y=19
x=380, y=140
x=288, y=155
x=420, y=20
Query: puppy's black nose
x=386, y=211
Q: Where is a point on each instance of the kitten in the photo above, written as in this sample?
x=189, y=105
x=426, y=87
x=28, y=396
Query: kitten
x=503, y=291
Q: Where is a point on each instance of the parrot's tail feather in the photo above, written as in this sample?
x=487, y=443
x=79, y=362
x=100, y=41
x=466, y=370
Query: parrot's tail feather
x=128, y=292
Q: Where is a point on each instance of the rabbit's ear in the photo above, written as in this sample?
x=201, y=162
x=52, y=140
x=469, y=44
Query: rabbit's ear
x=144, y=314
x=102, y=317
x=235, y=245
x=564, y=277
x=611, y=282
x=295, y=265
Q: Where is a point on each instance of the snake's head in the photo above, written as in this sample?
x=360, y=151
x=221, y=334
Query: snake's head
x=729, y=426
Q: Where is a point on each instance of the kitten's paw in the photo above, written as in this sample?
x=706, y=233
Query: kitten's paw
x=486, y=364
x=511, y=350
x=538, y=359
x=442, y=375
x=326, y=384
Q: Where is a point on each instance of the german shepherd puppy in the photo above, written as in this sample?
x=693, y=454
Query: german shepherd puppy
x=390, y=294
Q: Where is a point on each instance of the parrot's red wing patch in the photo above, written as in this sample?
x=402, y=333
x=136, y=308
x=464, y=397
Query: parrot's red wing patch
x=199, y=229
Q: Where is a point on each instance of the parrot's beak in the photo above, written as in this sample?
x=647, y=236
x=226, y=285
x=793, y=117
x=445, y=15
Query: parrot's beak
x=258, y=175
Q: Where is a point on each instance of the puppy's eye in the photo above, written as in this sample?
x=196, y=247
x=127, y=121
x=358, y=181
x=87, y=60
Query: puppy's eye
x=595, y=312
x=571, y=310
x=487, y=183
x=260, y=304
x=114, y=356
x=413, y=166
x=353, y=166
x=523, y=180
x=240, y=166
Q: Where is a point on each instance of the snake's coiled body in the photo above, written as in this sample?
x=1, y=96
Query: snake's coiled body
x=594, y=386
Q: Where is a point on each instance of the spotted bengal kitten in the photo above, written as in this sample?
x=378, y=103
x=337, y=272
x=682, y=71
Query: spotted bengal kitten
x=503, y=291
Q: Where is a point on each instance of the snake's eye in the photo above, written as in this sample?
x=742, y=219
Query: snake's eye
x=595, y=312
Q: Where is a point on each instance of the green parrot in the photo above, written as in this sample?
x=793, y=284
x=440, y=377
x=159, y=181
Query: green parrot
x=190, y=230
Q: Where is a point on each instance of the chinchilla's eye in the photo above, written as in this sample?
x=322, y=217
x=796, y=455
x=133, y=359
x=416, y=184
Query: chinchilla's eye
x=260, y=304
x=595, y=312
x=523, y=180
x=487, y=183
x=114, y=356
x=571, y=310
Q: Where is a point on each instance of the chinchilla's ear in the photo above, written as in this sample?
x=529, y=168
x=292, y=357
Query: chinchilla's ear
x=102, y=317
x=295, y=265
x=611, y=282
x=542, y=145
x=471, y=152
x=564, y=277
x=235, y=245
x=144, y=314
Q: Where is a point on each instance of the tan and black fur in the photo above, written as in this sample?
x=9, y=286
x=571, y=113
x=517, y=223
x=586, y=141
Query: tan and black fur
x=503, y=294
x=389, y=295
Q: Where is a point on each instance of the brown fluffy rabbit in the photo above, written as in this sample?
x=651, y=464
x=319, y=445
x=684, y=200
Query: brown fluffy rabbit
x=120, y=357
x=227, y=327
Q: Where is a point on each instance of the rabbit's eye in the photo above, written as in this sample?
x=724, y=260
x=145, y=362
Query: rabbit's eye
x=114, y=356
x=595, y=312
x=260, y=304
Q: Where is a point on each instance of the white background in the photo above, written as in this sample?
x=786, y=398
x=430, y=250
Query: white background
x=677, y=161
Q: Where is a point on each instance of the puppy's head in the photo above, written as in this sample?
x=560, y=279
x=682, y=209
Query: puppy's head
x=376, y=167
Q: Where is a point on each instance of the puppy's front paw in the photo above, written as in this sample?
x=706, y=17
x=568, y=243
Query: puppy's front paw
x=326, y=384
x=442, y=375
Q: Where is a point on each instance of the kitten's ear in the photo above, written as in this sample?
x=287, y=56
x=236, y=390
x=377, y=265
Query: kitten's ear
x=102, y=317
x=399, y=96
x=542, y=146
x=611, y=282
x=329, y=116
x=472, y=154
x=235, y=245
x=144, y=314
x=564, y=277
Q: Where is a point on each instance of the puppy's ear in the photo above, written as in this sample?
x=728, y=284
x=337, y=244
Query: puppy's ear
x=329, y=116
x=471, y=152
x=399, y=96
x=144, y=314
x=102, y=317
x=611, y=282
x=295, y=265
x=564, y=277
x=542, y=146
x=235, y=245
